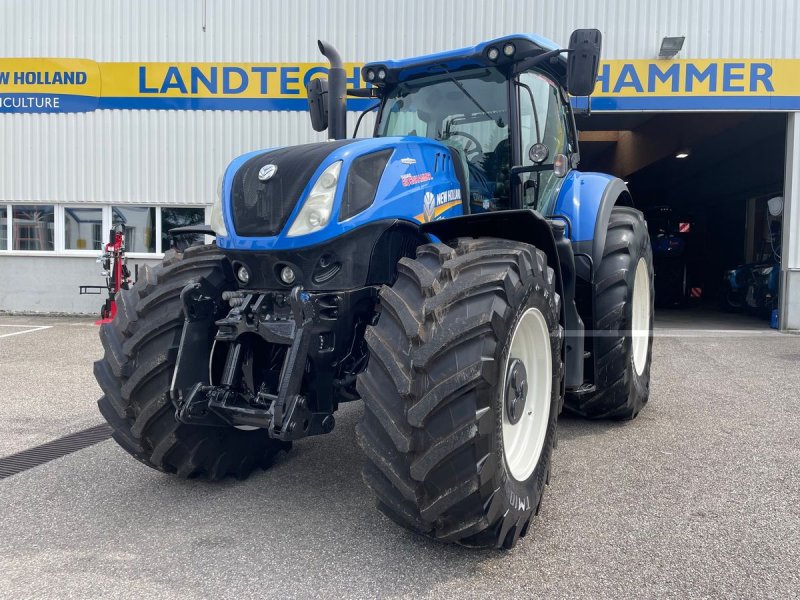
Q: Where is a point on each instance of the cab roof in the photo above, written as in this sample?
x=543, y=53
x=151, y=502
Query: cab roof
x=525, y=46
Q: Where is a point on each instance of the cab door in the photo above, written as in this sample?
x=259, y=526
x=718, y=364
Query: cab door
x=543, y=117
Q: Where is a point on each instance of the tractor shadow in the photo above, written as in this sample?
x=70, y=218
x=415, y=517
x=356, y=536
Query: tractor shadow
x=306, y=516
x=311, y=518
x=574, y=427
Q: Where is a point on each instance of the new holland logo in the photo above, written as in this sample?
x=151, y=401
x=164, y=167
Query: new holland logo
x=267, y=172
x=429, y=206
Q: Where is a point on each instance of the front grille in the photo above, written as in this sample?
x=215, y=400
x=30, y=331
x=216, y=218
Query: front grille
x=261, y=208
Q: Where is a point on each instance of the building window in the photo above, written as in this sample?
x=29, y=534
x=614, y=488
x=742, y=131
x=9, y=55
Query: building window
x=70, y=229
x=181, y=217
x=83, y=228
x=32, y=227
x=3, y=227
x=140, y=226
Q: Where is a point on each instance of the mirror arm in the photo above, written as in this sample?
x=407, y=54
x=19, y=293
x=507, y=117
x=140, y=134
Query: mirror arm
x=532, y=62
x=363, y=92
x=519, y=169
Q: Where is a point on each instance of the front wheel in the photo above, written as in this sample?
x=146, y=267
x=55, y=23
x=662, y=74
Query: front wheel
x=462, y=391
x=135, y=374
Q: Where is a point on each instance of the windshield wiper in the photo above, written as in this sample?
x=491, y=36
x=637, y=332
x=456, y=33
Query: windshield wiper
x=498, y=120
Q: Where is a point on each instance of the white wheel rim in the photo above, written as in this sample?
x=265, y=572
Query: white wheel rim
x=640, y=316
x=523, y=441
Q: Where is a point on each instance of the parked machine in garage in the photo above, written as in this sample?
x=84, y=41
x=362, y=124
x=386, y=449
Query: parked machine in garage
x=455, y=272
x=672, y=239
x=754, y=287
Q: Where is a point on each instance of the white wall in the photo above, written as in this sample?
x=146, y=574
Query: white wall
x=790, y=250
x=176, y=156
x=50, y=284
x=153, y=157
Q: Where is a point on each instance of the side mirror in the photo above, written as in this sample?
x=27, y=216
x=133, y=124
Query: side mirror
x=583, y=61
x=317, y=91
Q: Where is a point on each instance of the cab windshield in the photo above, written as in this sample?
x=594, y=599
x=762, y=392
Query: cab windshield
x=466, y=110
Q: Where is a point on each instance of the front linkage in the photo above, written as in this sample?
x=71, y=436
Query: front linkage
x=291, y=358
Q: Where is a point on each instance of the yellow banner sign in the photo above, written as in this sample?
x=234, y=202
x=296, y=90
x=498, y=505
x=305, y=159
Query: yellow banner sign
x=72, y=85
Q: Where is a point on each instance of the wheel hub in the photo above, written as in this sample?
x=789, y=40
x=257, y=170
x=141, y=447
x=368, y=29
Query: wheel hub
x=516, y=390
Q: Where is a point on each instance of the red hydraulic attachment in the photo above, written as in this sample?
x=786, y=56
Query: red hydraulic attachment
x=116, y=272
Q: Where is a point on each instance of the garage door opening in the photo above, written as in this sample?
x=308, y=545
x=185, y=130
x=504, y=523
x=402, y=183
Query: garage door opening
x=711, y=187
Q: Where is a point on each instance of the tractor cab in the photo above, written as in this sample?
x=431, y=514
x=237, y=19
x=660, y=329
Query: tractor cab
x=500, y=106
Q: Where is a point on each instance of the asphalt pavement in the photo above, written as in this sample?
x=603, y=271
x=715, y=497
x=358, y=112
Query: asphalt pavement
x=697, y=497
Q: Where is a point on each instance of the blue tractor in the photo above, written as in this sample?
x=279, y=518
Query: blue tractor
x=455, y=272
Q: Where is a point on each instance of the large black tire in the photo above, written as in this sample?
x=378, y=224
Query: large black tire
x=135, y=373
x=432, y=425
x=621, y=391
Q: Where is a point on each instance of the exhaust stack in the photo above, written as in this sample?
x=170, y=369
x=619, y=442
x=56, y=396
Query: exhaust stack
x=337, y=92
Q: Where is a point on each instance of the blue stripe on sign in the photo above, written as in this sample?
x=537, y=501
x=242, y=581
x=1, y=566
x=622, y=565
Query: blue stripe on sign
x=605, y=103
x=46, y=103
x=53, y=103
x=265, y=104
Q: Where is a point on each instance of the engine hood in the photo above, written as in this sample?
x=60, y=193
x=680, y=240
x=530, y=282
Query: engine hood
x=409, y=178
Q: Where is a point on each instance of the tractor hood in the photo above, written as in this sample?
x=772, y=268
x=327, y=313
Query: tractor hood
x=304, y=195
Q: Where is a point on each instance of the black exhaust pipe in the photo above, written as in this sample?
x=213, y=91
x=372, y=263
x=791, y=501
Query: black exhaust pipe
x=337, y=92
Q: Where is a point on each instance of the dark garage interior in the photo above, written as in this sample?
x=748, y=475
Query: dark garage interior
x=704, y=181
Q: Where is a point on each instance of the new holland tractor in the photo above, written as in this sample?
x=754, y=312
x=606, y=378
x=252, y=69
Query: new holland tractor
x=455, y=272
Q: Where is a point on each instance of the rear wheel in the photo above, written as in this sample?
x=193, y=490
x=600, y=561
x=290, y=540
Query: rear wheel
x=462, y=391
x=141, y=346
x=623, y=329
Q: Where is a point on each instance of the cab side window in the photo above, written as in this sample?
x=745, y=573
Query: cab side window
x=541, y=121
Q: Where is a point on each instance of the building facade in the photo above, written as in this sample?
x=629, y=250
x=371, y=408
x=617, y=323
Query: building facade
x=172, y=91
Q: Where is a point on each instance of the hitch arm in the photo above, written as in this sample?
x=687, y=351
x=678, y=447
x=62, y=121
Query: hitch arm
x=286, y=408
x=194, y=351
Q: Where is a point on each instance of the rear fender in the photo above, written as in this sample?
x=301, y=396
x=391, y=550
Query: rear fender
x=530, y=227
x=524, y=225
x=585, y=203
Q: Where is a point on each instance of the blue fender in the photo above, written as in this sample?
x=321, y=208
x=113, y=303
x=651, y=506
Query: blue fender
x=585, y=201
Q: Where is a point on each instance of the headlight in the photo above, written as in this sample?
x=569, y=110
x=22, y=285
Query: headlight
x=316, y=211
x=217, y=222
